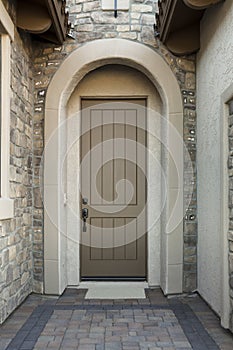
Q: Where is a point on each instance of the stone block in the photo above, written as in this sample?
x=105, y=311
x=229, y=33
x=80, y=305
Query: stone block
x=147, y=36
x=230, y=131
x=231, y=246
x=231, y=107
x=189, y=251
x=190, y=268
x=38, y=286
x=190, y=240
x=186, y=65
x=20, y=125
x=190, y=259
x=190, y=81
x=9, y=274
x=91, y=6
x=75, y=9
x=27, y=219
x=37, y=197
x=128, y=35
x=231, y=281
x=135, y=27
x=103, y=18
x=85, y=28
x=148, y=20
x=24, y=277
x=12, y=253
x=230, y=120
x=101, y=28
x=141, y=8
x=231, y=262
x=231, y=183
x=123, y=28
x=190, y=282
x=230, y=199
x=3, y=313
x=190, y=228
x=135, y=16
x=110, y=35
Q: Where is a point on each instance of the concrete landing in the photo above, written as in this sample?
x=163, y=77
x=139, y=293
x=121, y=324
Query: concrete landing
x=114, y=290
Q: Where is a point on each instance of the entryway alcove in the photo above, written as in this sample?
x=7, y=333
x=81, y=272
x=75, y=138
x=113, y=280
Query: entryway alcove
x=143, y=75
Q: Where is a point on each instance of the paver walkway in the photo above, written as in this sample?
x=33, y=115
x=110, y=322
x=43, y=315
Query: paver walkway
x=71, y=322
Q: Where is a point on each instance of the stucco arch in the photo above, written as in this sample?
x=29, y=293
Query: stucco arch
x=84, y=59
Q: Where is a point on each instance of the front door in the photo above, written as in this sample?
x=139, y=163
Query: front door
x=113, y=189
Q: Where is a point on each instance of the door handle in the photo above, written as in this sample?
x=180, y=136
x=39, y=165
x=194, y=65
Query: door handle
x=84, y=217
x=84, y=213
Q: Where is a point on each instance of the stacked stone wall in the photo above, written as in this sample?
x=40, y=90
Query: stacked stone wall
x=16, y=233
x=230, y=234
x=89, y=23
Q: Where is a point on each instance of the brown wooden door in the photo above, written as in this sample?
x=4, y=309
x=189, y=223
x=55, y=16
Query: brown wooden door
x=113, y=149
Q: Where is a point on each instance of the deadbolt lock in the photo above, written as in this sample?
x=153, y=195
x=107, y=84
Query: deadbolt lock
x=84, y=217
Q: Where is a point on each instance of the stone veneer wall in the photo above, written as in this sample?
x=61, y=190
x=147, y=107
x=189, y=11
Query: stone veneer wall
x=230, y=234
x=16, y=263
x=91, y=23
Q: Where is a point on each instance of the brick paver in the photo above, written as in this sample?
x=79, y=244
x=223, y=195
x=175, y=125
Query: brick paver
x=71, y=322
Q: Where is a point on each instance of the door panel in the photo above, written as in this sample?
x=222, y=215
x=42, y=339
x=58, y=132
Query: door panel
x=113, y=151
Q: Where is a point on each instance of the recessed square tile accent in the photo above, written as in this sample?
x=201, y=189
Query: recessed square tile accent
x=109, y=5
x=63, y=324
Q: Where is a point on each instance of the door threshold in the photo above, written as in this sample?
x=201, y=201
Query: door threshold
x=113, y=279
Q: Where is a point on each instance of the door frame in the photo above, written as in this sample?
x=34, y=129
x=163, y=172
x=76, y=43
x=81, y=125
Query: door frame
x=82, y=60
x=154, y=243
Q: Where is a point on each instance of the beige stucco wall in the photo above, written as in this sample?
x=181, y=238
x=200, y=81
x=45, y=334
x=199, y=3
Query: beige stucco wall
x=214, y=76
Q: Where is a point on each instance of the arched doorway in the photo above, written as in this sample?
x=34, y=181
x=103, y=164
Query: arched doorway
x=85, y=59
x=117, y=92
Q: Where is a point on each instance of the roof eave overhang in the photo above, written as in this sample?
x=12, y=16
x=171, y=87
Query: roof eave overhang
x=178, y=24
x=45, y=18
